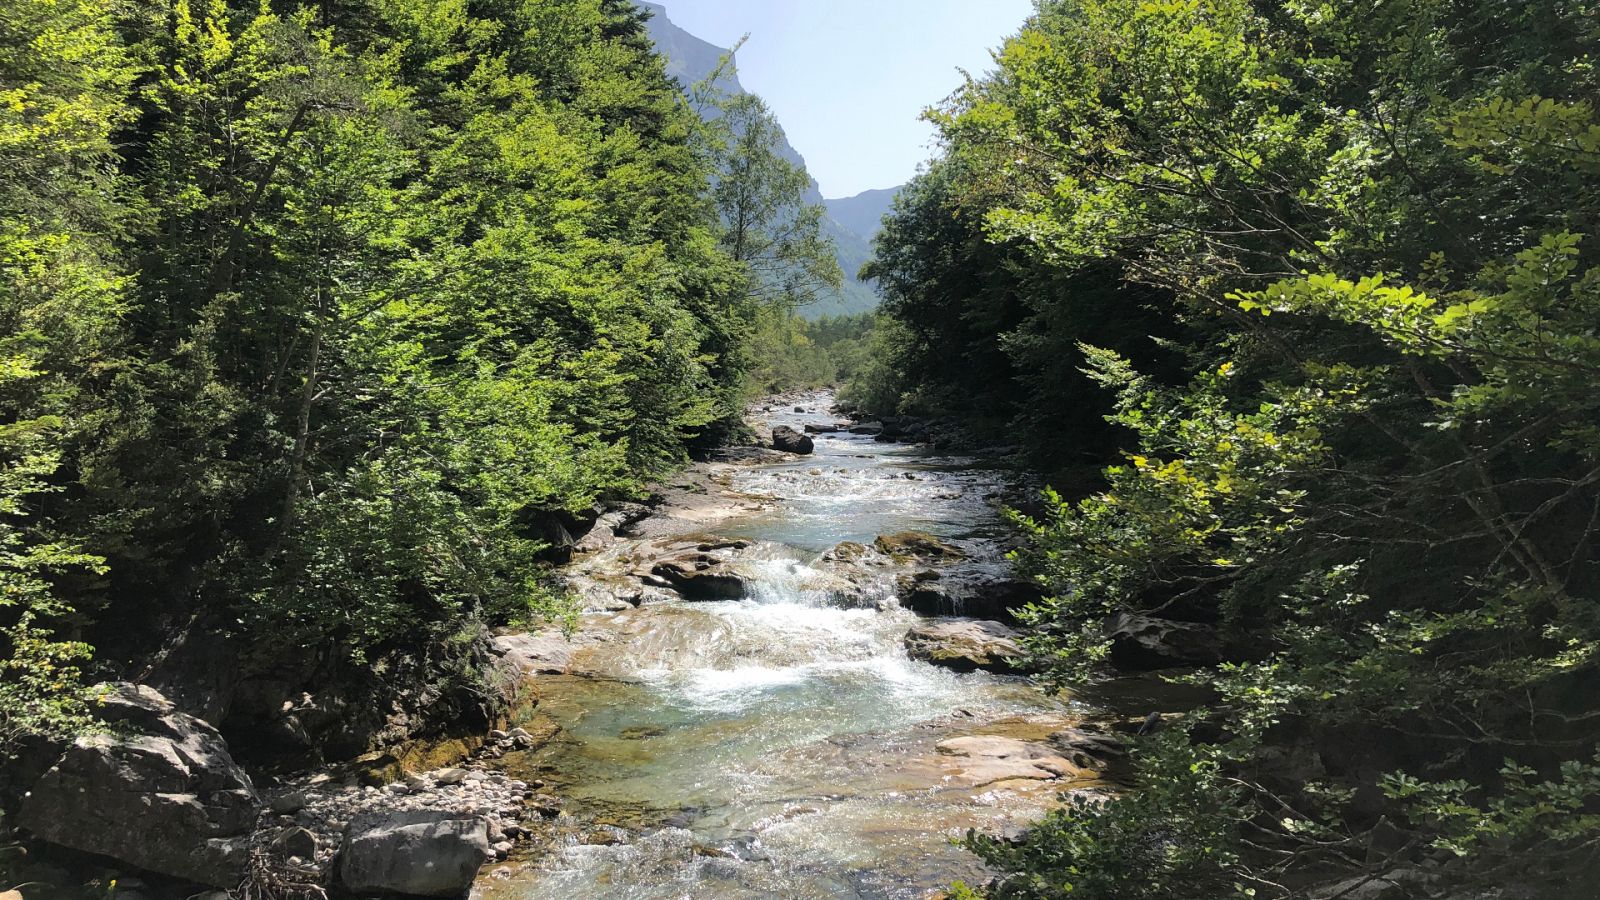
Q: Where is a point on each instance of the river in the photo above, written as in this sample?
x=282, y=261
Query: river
x=784, y=744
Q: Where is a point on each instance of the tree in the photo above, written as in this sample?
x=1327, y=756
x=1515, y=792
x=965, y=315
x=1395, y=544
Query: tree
x=1372, y=474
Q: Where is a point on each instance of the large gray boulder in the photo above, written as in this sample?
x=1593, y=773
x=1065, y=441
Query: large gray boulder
x=423, y=853
x=158, y=790
x=790, y=441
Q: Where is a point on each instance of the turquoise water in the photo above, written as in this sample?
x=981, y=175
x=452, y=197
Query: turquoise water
x=782, y=746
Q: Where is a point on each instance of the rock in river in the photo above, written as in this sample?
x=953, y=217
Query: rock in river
x=1141, y=642
x=423, y=853
x=158, y=791
x=790, y=441
x=967, y=644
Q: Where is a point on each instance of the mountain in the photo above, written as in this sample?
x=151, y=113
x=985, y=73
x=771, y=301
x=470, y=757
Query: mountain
x=690, y=60
x=863, y=214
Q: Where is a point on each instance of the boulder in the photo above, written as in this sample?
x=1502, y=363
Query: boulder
x=699, y=571
x=1142, y=642
x=916, y=544
x=790, y=441
x=1088, y=747
x=967, y=644
x=547, y=652
x=821, y=429
x=974, y=594
x=868, y=428
x=158, y=791
x=423, y=853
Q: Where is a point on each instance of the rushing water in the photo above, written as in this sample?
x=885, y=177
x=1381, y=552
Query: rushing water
x=781, y=745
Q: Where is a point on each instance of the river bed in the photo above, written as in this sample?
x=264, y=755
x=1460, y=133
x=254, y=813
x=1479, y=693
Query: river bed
x=784, y=744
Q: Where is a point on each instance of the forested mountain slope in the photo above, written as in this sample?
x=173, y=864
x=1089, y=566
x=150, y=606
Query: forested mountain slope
x=691, y=60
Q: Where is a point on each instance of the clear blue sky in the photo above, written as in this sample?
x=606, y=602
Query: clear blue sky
x=849, y=78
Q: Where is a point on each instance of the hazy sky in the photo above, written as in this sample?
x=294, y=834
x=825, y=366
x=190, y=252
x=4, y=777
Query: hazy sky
x=849, y=78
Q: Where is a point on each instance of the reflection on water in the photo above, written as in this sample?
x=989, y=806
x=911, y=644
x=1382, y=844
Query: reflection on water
x=781, y=745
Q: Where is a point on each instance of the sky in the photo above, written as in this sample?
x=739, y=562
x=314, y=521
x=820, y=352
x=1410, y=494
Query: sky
x=849, y=78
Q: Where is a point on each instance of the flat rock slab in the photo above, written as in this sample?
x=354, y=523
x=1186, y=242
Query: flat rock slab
x=982, y=759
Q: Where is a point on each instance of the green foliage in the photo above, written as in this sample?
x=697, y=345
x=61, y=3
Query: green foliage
x=314, y=317
x=789, y=352
x=63, y=81
x=766, y=224
x=1361, y=447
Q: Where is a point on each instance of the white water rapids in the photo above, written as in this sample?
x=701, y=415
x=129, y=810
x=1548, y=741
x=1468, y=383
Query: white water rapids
x=782, y=745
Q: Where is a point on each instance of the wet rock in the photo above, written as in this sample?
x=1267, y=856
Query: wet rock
x=985, y=759
x=697, y=579
x=160, y=792
x=870, y=428
x=1089, y=748
x=812, y=428
x=421, y=853
x=790, y=441
x=980, y=595
x=1142, y=642
x=967, y=645
x=918, y=544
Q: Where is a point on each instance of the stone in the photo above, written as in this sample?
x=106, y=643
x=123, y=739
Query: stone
x=158, y=791
x=696, y=579
x=918, y=544
x=790, y=441
x=1143, y=642
x=295, y=842
x=1089, y=748
x=422, y=853
x=870, y=428
x=821, y=429
x=450, y=776
x=967, y=645
x=985, y=759
x=288, y=804
x=548, y=652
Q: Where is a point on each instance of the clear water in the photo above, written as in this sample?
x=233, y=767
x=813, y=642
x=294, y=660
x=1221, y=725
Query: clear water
x=781, y=746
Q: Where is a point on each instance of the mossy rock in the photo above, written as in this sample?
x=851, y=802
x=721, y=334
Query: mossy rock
x=916, y=543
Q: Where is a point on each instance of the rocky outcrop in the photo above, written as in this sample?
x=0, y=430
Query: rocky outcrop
x=1088, y=747
x=967, y=645
x=986, y=759
x=1143, y=643
x=158, y=791
x=976, y=593
x=547, y=652
x=421, y=853
x=790, y=441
